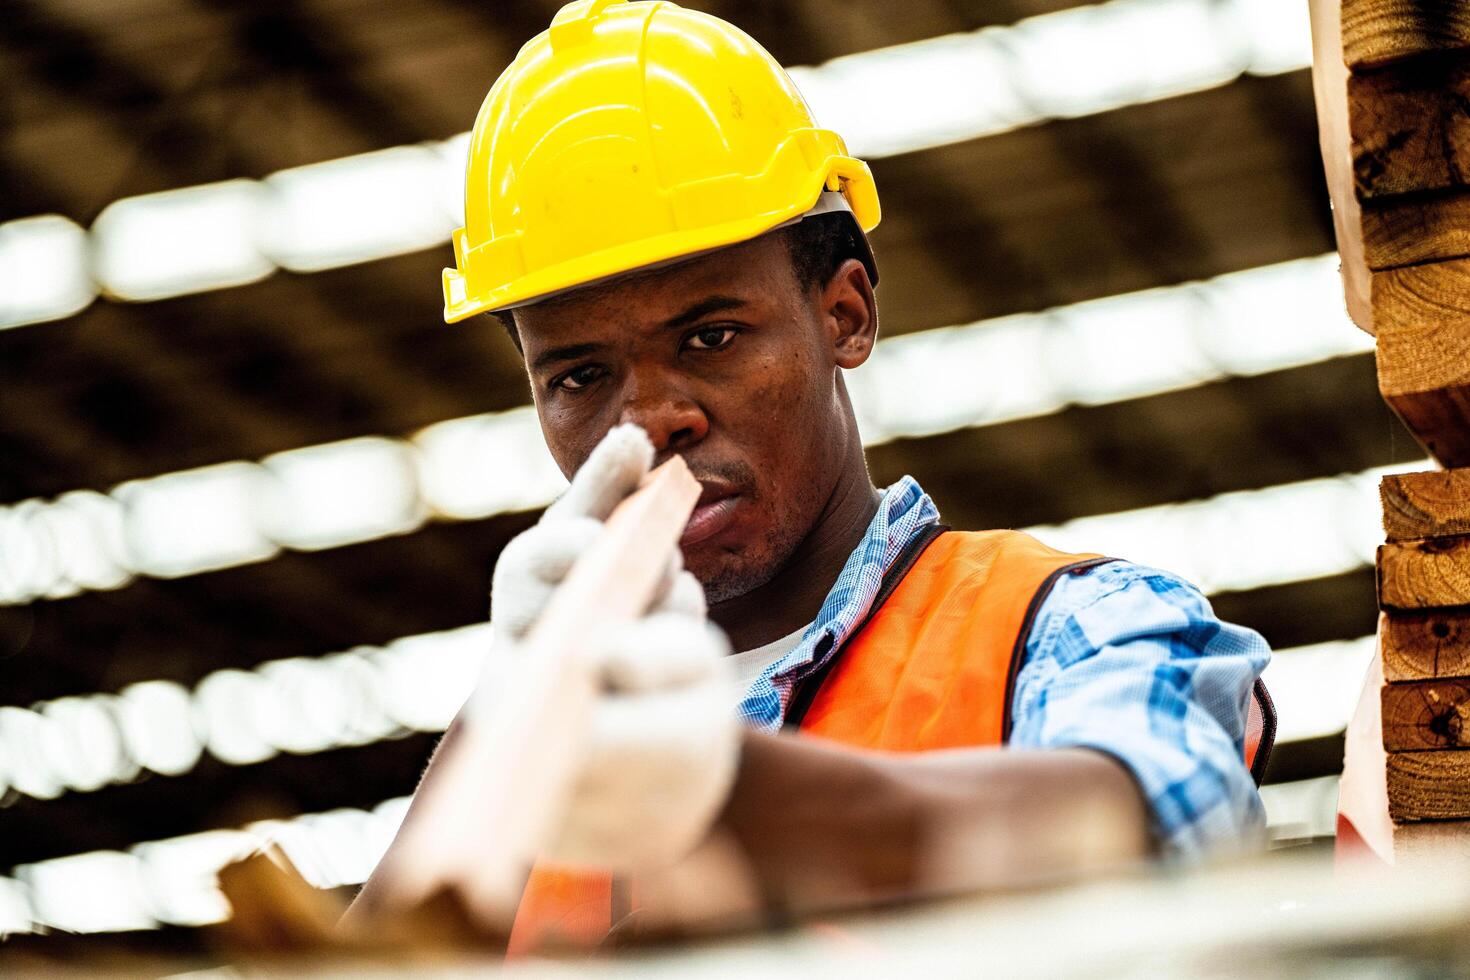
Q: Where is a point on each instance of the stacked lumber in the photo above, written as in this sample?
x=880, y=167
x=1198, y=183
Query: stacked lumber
x=1424, y=591
x=1393, y=98
x=1392, y=80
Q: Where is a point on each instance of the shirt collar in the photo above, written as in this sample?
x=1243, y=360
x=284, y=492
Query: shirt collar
x=902, y=513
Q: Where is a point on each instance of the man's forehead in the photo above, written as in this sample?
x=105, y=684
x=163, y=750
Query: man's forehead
x=742, y=271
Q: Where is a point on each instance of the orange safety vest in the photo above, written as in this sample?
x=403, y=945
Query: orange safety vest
x=933, y=666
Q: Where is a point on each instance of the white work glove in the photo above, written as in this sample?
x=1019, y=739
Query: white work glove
x=664, y=739
x=663, y=749
x=536, y=561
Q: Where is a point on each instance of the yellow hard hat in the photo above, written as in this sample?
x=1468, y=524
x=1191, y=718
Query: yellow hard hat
x=631, y=134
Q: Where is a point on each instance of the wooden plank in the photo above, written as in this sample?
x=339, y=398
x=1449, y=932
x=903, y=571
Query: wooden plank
x=1425, y=645
x=1414, y=230
x=1439, y=418
x=1378, y=31
x=1329, y=87
x=1424, y=715
x=1364, y=829
x=1428, y=785
x=1431, y=504
x=1410, y=126
x=1427, y=574
x=497, y=790
x=1422, y=316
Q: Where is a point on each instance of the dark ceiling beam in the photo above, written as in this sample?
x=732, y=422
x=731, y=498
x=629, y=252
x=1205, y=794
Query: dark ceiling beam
x=512, y=24
x=1296, y=115
x=212, y=796
x=1240, y=434
x=1311, y=758
x=804, y=33
x=134, y=395
x=814, y=31
x=129, y=391
x=1338, y=607
x=23, y=190
x=1249, y=195
x=285, y=40
x=1154, y=227
x=172, y=141
x=220, y=91
x=297, y=604
x=974, y=14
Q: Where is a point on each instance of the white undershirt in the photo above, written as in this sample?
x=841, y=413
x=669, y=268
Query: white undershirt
x=749, y=664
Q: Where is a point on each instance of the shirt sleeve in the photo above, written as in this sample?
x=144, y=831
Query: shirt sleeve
x=1132, y=661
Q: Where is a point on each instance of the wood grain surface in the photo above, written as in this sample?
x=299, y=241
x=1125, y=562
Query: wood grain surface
x=1431, y=504
x=1422, y=317
x=1410, y=126
x=1426, y=644
x=1431, y=785
x=1424, y=715
x=1422, y=298
x=1378, y=31
x=1416, y=229
x=1427, y=574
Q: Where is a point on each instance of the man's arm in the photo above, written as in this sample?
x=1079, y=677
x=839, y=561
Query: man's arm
x=1129, y=715
x=1133, y=662
x=819, y=826
x=823, y=827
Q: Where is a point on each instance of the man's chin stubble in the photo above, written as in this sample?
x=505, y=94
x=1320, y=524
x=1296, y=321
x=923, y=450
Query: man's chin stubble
x=732, y=585
x=738, y=579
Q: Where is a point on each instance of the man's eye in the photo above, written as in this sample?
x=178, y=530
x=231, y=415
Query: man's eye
x=711, y=338
x=578, y=378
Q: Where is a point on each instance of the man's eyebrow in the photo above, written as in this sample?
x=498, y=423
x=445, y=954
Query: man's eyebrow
x=706, y=306
x=569, y=353
x=711, y=304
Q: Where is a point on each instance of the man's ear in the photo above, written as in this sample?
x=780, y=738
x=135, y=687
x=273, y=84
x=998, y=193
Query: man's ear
x=851, y=313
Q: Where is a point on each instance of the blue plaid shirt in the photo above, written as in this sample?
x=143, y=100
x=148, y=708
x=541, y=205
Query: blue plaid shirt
x=1121, y=658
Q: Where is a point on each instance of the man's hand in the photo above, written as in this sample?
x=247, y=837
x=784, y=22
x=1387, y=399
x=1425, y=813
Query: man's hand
x=663, y=751
x=536, y=561
x=665, y=740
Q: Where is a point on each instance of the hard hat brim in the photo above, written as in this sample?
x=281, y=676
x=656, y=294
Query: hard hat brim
x=829, y=202
x=858, y=194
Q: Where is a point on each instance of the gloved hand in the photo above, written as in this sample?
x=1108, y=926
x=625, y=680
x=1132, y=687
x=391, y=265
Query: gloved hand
x=536, y=561
x=663, y=749
x=664, y=739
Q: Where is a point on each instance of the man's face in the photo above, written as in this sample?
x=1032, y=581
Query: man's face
x=724, y=360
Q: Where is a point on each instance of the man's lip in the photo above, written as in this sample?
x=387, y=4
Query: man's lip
x=713, y=490
x=710, y=517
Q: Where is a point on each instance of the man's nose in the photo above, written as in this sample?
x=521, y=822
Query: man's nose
x=672, y=420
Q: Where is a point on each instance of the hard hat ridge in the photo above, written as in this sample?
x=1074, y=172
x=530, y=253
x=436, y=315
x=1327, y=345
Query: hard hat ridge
x=629, y=134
